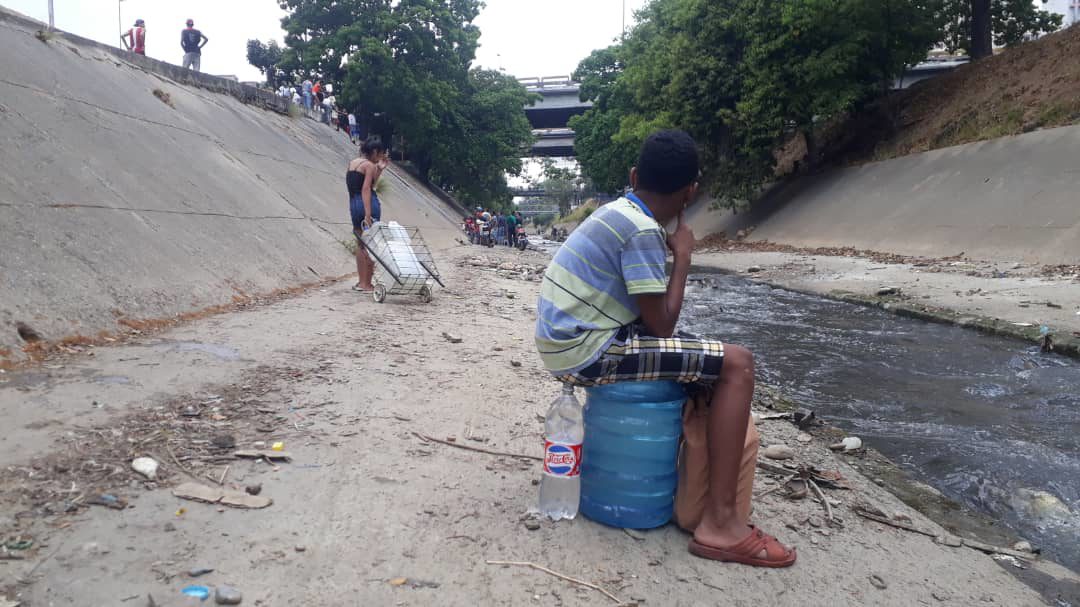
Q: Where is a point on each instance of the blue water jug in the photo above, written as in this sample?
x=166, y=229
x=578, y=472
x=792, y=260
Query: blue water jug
x=629, y=459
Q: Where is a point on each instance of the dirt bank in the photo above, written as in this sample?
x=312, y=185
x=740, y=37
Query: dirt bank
x=367, y=511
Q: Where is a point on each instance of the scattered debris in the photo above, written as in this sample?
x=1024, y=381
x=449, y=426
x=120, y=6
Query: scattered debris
x=849, y=444
x=877, y=582
x=883, y=291
x=1023, y=546
x=223, y=441
x=108, y=500
x=146, y=466
x=300, y=548
x=804, y=418
x=199, y=571
x=454, y=339
x=218, y=495
x=270, y=455
x=278, y=446
x=200, y=592
x=254, y=489
x=227, y=595
x=532, y=524
x=947, y=540
x=754, y=269
x=634, y=533
x=515, y=363
x=558, y=575
x=19, y=544
x=779, y=452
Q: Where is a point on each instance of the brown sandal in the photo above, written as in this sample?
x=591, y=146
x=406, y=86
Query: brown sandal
x=746, y=551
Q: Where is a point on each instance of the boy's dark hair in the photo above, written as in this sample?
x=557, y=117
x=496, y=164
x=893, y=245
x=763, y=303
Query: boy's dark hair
x=668, y=162
x=373, y=145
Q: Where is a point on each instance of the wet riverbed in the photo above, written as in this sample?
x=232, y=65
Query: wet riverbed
x=990, y=422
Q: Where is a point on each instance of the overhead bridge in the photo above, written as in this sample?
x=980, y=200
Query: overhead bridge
x=550, y=116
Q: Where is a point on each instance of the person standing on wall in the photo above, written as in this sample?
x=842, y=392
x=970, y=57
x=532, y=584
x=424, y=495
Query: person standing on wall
x=354, y=130
x=307, y=86
x=192, y=41
x=135, y=38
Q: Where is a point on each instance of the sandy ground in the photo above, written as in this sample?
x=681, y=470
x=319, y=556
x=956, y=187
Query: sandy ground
x=1010, y=291
x=367, y=512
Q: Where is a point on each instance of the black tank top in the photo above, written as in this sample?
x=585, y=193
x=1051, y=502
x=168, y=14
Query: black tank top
x=354, y=180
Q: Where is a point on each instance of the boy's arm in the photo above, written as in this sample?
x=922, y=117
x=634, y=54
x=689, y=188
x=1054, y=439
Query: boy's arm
x=660, y=311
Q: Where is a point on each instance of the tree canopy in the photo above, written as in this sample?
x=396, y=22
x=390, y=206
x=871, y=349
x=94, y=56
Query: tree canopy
x=265, y=57
x=745, y=76
x=405, y=67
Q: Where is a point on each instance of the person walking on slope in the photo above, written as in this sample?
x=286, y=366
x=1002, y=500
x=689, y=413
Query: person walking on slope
x=135, y=38
x=608, y=312
x=354, y=130
x=192, y=41
x=364, y=206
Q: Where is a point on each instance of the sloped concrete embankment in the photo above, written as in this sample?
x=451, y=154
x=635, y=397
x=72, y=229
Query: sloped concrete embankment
x=125, y=195
x=1009, y=199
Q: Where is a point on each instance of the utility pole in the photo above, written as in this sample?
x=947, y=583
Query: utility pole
x=623, y=34
x=52, y=23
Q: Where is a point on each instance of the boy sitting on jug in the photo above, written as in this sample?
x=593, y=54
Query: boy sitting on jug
x=608, y=312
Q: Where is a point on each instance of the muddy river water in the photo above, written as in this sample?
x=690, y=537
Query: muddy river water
x=990, y=422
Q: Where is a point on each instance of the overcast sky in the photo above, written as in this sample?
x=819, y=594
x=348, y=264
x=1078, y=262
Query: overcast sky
x=524, y=37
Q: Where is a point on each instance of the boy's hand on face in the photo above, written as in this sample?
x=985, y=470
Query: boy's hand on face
x=681, y=241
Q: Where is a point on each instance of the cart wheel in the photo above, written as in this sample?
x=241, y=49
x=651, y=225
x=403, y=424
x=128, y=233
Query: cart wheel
x=379, y=293
x=425, y=294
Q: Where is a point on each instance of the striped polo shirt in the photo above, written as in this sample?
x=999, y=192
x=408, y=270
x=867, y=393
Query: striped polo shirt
x=590, y=286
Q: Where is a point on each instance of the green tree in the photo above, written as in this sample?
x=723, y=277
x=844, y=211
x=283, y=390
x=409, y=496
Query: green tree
x=408, y=61
x=743, y=76
x=265, y=57
x=483, y=140
x=974, y=26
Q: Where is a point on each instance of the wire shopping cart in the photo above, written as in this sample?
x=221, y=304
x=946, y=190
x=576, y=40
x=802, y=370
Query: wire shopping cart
x=405, y=263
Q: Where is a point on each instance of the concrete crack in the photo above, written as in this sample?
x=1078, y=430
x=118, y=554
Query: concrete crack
x=105, y=207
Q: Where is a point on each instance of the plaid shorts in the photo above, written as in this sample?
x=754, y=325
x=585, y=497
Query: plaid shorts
x=635, y=356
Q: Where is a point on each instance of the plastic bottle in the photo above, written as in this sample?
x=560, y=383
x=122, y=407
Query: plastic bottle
x=564, y=431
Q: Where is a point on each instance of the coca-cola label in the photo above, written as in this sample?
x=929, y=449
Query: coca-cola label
x=561, y=459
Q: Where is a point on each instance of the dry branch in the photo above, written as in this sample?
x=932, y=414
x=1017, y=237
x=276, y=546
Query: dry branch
x=425, y=437
x=558, y=575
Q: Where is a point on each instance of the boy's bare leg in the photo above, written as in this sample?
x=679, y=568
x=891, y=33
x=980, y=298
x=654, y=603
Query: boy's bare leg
x=693, y=488
x=729, y=414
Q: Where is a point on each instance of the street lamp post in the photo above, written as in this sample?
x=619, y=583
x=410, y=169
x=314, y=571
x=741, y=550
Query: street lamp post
x=52, y=23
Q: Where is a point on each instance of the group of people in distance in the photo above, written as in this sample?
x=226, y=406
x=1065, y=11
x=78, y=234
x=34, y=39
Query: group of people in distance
x=192, y=42
x=504, y=225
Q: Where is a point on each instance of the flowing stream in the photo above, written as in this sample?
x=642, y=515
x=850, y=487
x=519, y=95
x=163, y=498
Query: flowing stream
x=988, y=421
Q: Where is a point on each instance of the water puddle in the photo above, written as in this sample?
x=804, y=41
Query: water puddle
x=217, y=350
x=990, y=422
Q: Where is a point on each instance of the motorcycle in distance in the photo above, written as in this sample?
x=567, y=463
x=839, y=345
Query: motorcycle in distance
x=521, y=238
x=485, y=234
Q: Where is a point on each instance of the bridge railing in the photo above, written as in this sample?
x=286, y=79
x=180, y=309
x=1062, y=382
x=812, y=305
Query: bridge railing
x=542, y=82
